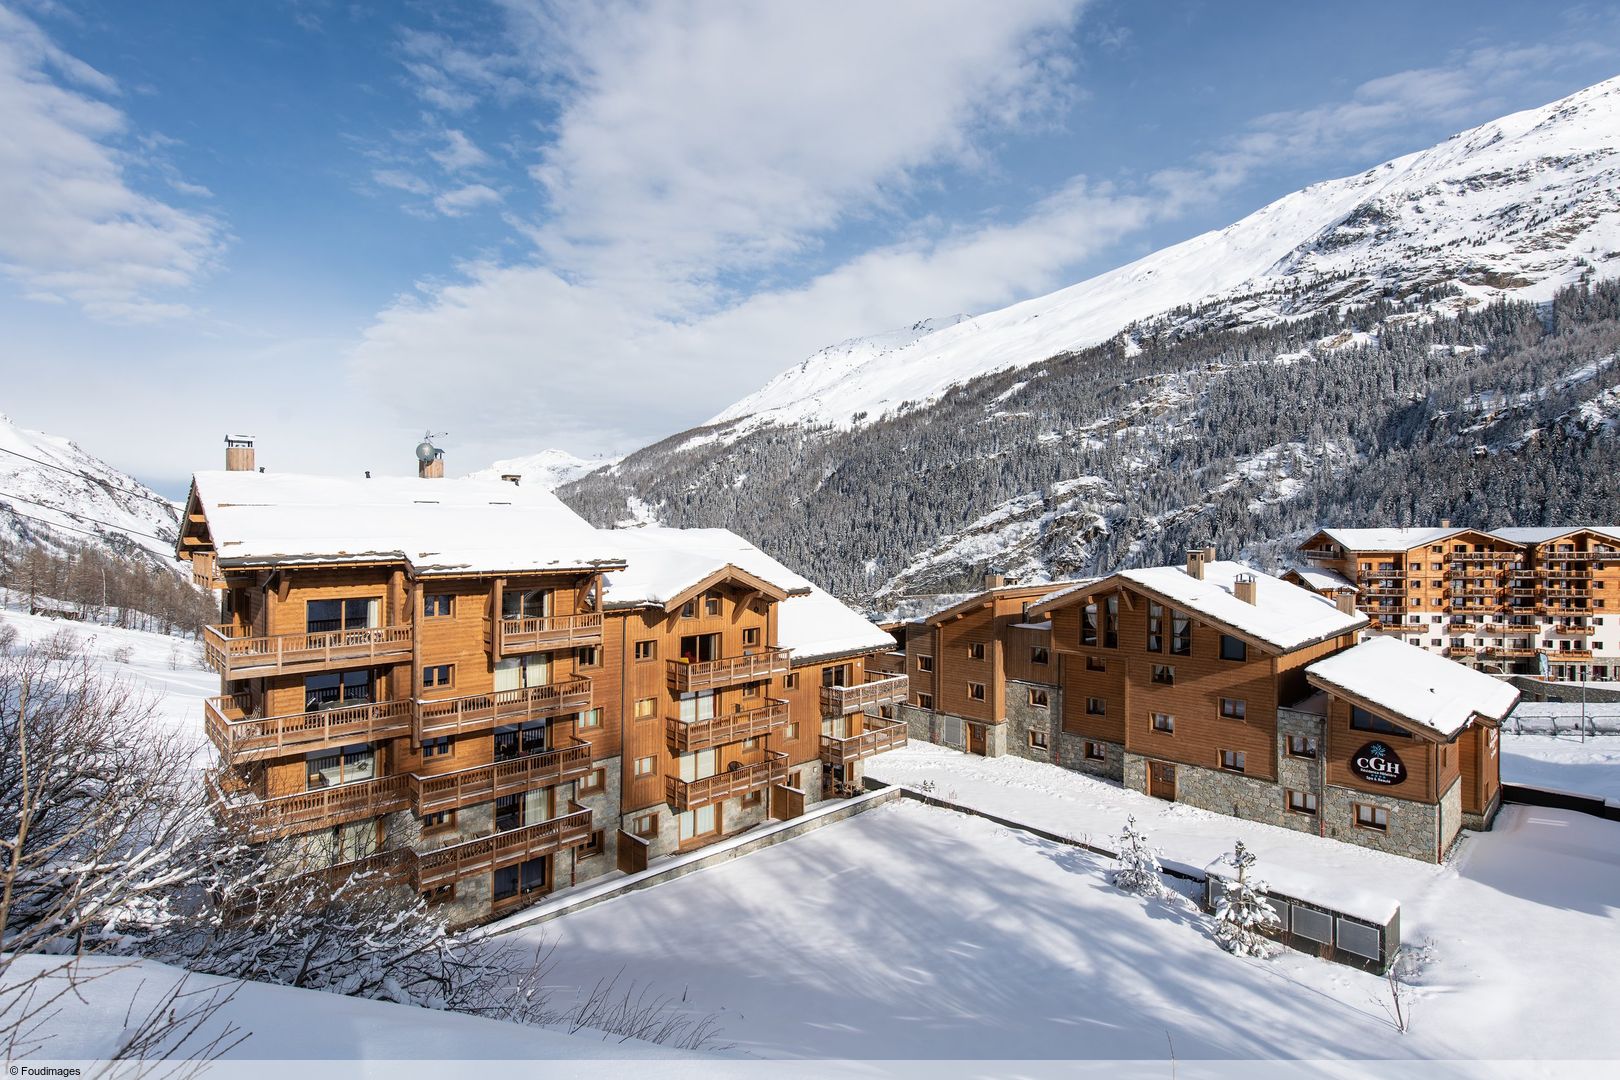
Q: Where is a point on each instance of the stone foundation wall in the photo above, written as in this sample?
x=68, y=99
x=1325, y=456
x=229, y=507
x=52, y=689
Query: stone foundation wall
x=1483, y=822
x=1070, y=752
x=1413, y=827
x=604, y=808
x=1233, y=794
x=1023, y=718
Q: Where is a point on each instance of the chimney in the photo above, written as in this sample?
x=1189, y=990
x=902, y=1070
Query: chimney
x=239, y=453
x=512, y=478
x=1345, y=601
x=1196, y=558
x=1243, y=588
x=429, y=459
x=993, y=580
x=1445, y=523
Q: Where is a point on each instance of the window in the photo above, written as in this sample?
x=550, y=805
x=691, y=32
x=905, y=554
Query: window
x=646, y=766
x=1037, y=740
x=436, y=747
x=329, y=768
x=1155, y=627
x=1088, y=625
x=1164, y=674
x=711, y=605
x=1232, y=760
x=1301, y=802
x=645, y=825
x=1038, y=654
x=1233, y=648
x=1233, y=708
x=975, y=691
x=336, y=690
x=925, y=701
x=592, y=782
x=752, y=798
x=1164, y=722
x=323, y=616
x=1111, y=623
x=1180, y=634
x=589, y=719
x=796, y=779
x=439, y=606
x=1095, y=751
x=1037, y=697
x=791, y=732
x=526, y=604
x=593, y=846
x=751, y=690
x=1372, y=817
x=790, y=681
x=1362, y=720
x=438, y=675
x=689, y=610
x=444, y=819
x=1096, y=663
x=1301, y=746
x=1096, y=706
x=521, y=880
x=647, y=650
x=750, y=636
x=925, y=663
x=646, y=707
x=588, y=656
x=976, y=650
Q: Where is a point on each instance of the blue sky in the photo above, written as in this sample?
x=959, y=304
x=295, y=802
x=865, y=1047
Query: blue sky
x=537, y=225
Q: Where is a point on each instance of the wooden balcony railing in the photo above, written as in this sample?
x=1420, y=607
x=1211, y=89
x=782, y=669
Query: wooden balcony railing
x=241, y=738
x=687, y=677
x=1556, y=655
x=880, y=735
x=481, y=783
x=237, y=655
x=479, y=712
x=686, y=736
x=486, y=854
x=303, y=811
x=523, y=634
x=876, y=691
x=684, y=795
x=205, y=570
x=1460, y=650
x=1571, y=630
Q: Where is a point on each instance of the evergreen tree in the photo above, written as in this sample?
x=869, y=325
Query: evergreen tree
x=1139, y=872
x=1243, y=912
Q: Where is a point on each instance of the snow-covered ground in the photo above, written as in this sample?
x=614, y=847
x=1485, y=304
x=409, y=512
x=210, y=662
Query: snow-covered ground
x=1564, y=763
x=916, y=932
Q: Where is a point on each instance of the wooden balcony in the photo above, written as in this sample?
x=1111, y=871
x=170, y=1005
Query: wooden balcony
x=686, y=736
x=1557, y=655
x=236, y=655
x=876, y=691
x=303, y=811
x=1460, y=650
x=1573, y=631
x=527, y=634
x=687, y=677
x=880, y=735
x=486, y=854
x=480, y=712
x=241, y=738
x=481, y=783
x=1509, y=653
x=682, y=795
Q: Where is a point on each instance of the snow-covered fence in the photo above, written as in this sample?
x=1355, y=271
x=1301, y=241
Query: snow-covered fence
x=1563, y=718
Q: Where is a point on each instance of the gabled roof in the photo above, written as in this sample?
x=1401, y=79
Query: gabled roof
x=818, y=626
x=1284, y=617
x=1385, y=539
x=437, y=526
x=668, y=566
x=986, y=596
x=1545, y=534
x=1321, y=579
x=1413, y=687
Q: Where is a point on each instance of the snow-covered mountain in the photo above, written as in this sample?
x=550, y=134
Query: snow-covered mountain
x=549, y=469
x=55, y=493
x=1515, y=207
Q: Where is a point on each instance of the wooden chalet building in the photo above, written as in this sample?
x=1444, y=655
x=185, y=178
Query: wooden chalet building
x=1199, y=684
x=1530, y=601
x=465, y=682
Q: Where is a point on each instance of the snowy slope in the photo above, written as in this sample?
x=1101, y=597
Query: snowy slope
x=549, y=469
x=54, y=492
x=1534, y=196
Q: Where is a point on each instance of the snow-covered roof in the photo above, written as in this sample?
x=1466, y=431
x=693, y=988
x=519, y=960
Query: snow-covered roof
x=436, y=525
x=969, y=601
x=1283, y=615
x=1066, y=587
x=1323, y=580
x=818, y=625
x=1387, y=539
x=665, y=562
x=1540, y=535
x=1413, y=685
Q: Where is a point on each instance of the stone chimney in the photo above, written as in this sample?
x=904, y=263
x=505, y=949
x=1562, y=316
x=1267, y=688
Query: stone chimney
x=1345, y=601
x=993, y=580
x=239, y=453
x=512, y=478
x=1196, y=558
x=1445, y=523
x=1243, y=588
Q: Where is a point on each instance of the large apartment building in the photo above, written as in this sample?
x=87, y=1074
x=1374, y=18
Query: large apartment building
x=1221, y=687
x=1531, y=601
x=465, y=683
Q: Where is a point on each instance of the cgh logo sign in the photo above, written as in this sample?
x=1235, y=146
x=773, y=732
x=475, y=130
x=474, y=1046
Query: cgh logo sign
x=1377, y=763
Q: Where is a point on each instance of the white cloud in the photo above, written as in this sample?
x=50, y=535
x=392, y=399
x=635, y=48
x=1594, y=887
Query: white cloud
x=459, y=201
x=459, y=153
x=74, y=229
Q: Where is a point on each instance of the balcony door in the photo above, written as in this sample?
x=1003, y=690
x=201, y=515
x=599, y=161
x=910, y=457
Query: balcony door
x=324, y=616
x=836, y=675
x=697, y=648
x=835, y=726
x=520, y=740
x=526, y=604
x=697, y=707
x=349, y=765
x=337, y=690
x=698, y=765
x=522, y=672
x=523, y=879
x=700, y=824
x=530, y=808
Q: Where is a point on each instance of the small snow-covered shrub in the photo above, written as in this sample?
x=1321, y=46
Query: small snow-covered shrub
x=1243, y=912
x=1138, y=872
